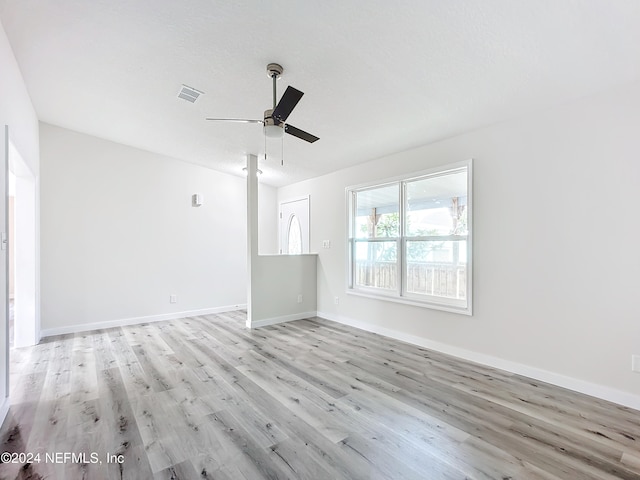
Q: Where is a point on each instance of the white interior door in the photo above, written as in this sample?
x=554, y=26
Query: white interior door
x=294, y=226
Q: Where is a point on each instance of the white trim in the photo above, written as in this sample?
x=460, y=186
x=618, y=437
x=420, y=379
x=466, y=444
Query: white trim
x=85, y=327
x=362, y=292
x=593, y=389
x=443, y=169
x=296, y=199
x=4, y=409
x=280, y=319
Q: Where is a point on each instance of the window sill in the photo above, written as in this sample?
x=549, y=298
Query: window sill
x=416, y=303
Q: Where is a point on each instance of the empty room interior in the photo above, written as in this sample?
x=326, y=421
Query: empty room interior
x=320, y=240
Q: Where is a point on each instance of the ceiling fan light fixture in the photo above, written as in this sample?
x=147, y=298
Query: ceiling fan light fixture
x=274, y=131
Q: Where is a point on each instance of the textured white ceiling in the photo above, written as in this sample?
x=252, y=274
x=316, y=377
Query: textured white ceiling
x=378, y=76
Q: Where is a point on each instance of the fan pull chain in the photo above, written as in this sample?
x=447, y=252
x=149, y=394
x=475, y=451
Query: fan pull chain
x=282, y=150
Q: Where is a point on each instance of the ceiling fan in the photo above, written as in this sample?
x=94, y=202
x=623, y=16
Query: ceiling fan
x=274, y=118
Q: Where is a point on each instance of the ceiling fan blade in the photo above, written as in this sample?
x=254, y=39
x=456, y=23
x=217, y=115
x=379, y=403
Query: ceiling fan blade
x=296, y=132
x=286, y=104
x=239, y=120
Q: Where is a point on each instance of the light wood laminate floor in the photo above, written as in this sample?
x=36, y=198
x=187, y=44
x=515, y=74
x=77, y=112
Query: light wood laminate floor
x=205, y=398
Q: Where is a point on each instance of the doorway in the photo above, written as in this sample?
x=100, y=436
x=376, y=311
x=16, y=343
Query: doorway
x=294, y=226
x=22, y=251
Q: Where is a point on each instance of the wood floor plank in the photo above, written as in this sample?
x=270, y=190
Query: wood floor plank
x=181, y=471
x=135, y=465
x=204, y=397
x=261, y=427
x=84, y=379
x=391, y=466
x=117, y=409
x=345, y=464
x=40, y=356
x=189, y=356
x=302, y=460
x=294, y=398
x=135, y=379
x=120, y=347
x=159, y=379
x=262, y=461
x=156, y=435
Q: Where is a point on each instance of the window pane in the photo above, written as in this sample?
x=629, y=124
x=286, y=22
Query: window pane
x=377, y=212
x=437, y=268
x=437, y=205
x=294, y=237
x=376, y=264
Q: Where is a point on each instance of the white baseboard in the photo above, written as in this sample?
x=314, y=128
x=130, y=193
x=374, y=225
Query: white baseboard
x=49, y=332
x=595, y=390
x=4, y=409
x=281, y=319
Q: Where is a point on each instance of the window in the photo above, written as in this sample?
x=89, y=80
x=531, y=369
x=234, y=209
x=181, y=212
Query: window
x=410, y=239
x=294, y=237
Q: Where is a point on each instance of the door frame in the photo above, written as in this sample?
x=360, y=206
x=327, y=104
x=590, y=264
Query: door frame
x=4, y=175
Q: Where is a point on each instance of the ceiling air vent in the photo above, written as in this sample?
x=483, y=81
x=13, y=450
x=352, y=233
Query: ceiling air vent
x=189, y=94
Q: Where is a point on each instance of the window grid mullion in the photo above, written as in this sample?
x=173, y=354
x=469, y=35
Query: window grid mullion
x=402, y=247
x=437, y=238
x=352, y=243
x=376, y=240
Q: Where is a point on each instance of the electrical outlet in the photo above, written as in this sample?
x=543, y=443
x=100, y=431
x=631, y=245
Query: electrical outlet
x=173, y=299
x=635, y=363
x=299, y=298
x=336, y=301
x=326, y=244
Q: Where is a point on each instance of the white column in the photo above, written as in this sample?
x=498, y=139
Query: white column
x=252, y=227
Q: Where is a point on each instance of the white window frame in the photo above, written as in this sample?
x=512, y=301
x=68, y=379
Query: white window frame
x=400, y=295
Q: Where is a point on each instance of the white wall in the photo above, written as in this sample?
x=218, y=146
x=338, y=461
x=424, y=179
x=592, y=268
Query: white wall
x=16, y=111
x=276, y=283
x=556, y=265
x=119, y=234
